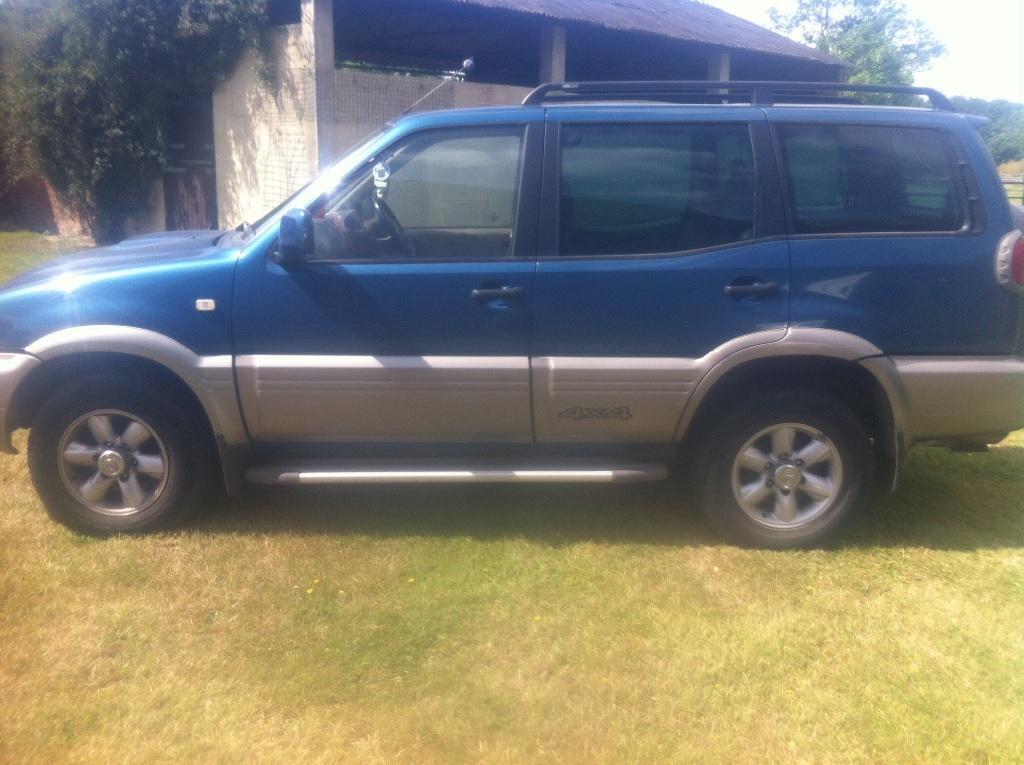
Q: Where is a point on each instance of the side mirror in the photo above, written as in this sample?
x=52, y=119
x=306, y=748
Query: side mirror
x=294, y=239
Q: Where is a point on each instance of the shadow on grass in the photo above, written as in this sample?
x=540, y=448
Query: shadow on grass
x=946, y=501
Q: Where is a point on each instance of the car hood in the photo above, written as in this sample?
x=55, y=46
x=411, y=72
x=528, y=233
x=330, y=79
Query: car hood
x=140, y=251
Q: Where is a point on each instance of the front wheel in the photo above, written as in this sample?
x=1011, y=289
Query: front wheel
x=787, y=473
x=106, y=458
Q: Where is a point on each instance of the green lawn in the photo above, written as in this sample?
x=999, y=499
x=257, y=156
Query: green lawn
x=22, y=249
x=519, y=624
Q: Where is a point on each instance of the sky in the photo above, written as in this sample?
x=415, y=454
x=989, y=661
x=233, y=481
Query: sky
x=984, y=42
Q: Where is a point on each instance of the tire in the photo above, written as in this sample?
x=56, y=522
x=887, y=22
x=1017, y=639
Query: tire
x=99, y=473
x=797, y=498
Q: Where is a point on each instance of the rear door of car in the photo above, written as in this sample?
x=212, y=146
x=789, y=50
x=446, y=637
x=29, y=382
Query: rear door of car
x=661, y=240
x=889, y=236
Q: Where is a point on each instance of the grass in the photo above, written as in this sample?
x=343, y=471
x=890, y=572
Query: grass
x=23, y=249
x=1014, y=167
x=521, y=624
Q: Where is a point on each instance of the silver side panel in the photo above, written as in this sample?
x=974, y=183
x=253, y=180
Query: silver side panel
x=396, y=398
x=14, y=367
x=628, y=400
x=209, y=377
x=654, y=400
x=962, y=397
x=395, y=474
x=610, y=399
x=367, y=398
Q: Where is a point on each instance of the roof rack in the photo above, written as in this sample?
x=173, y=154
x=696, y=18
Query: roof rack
x=756, y=93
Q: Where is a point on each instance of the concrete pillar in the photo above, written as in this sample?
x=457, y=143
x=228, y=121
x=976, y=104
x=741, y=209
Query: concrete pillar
x=552, y=54
x=718, y=67
x=318, y=37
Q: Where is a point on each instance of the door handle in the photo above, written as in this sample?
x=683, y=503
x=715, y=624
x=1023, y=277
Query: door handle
x=757, y=288
x=490, y=294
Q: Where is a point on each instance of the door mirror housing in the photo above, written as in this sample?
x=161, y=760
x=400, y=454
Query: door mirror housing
x=295, y=242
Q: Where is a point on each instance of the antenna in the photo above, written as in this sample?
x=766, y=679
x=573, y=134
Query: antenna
x=457, y=75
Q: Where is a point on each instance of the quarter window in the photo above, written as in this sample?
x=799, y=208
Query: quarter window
x=859, y=179
x=645, y=189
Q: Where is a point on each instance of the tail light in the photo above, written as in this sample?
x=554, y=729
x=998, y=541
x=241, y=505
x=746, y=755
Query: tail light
x=1017, y=262
x=1010, y=260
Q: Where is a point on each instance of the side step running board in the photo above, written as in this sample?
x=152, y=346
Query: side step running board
x=351, y=474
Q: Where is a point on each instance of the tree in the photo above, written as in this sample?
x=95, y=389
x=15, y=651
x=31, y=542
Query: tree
x=879, y=38
x=1004, y=133
x=93, y=85
x=884, y=44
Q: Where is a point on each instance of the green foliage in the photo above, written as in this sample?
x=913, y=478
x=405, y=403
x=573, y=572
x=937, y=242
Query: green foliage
x=879, y=38
x=93, y=85
x=15, y=157
x=1004, y=134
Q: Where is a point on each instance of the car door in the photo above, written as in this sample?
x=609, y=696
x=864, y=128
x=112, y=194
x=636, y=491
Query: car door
x=665, y=242
x=412, y=322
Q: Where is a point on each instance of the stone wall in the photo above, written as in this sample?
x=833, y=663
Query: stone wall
x=264, y=132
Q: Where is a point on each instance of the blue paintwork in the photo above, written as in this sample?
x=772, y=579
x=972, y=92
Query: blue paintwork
x=150, y=282
x=401, y=309
x=662, y=306
x=908, y=295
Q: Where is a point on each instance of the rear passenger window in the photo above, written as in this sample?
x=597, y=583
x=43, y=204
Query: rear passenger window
x=644, y=189
x=856, y=179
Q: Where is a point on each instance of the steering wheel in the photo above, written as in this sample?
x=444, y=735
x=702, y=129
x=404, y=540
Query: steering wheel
x=395, y=230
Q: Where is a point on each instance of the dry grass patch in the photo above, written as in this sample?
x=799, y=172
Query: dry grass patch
x=519, y=624
x=23, y=249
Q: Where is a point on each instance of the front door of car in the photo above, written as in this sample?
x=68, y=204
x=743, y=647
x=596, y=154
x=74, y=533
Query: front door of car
x=665, y=242
x=411, y=322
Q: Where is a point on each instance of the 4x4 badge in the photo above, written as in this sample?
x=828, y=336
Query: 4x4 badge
x=592, y=413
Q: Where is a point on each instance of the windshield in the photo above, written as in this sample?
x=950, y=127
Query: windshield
x=325, y=181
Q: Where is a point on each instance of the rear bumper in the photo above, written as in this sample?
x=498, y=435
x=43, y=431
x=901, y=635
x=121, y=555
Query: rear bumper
x=14, y=368
x=965, y=398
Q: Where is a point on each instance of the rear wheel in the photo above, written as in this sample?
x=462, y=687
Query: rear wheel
x=106, y=458
x=787, y=473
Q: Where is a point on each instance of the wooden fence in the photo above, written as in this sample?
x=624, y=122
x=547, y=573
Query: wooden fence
x=1014, y=185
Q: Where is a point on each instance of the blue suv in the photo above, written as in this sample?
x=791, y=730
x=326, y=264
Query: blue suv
x=763, y=285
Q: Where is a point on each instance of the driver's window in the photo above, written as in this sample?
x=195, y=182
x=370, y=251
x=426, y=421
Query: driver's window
x=440, y=194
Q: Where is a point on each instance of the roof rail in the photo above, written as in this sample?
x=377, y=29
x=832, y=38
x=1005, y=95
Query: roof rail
x=757, y=93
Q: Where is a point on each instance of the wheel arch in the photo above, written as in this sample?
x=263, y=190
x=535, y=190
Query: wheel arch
x=205, y=383
x=817, y=359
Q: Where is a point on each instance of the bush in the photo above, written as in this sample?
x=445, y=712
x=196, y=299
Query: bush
x=93, y=85
x=15, y=159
